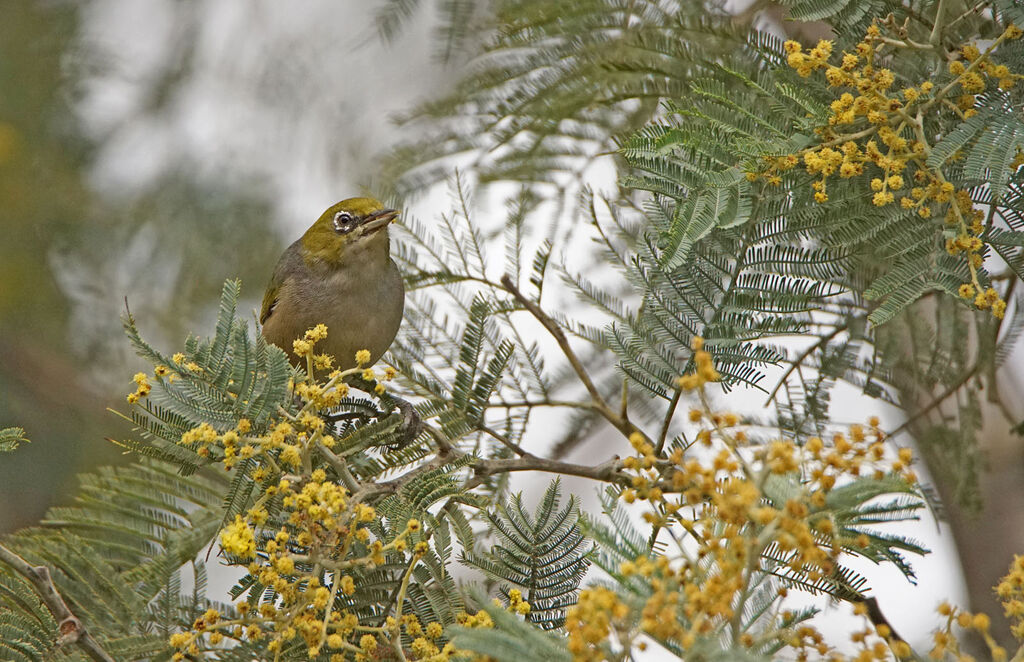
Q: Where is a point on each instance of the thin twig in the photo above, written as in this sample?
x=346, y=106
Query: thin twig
x=973, y=10
x=340, y=465
x=936, y=36
x=795, y=363
x=607, y=471
x=937, y=401
x=669, y=413
x=600, y=405
x=72, y=631
x=530, y=404
x=508, y=443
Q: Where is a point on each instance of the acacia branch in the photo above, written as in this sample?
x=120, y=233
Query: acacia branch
x=608, y=471
x=935, y=38
x=937, y=401
x=72, y=631
x=669, y=414
x=600, y=405
x=795, y=363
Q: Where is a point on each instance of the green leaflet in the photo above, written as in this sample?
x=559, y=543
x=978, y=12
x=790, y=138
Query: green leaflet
x=543, y=554
x=10, y=438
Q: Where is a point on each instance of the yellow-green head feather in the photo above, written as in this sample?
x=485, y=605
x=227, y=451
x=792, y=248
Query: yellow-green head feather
x=346, y=224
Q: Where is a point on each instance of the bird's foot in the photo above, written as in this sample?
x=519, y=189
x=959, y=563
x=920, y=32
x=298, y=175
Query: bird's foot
x=412, y=424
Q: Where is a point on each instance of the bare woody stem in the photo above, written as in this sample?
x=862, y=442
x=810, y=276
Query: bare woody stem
x=607, y=472
x=935, y=37
x=72, y=631
x=600, y=405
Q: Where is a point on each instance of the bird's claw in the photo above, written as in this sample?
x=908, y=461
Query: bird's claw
x=412, y=424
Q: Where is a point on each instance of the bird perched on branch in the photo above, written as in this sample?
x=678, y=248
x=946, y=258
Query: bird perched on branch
x=339, y=273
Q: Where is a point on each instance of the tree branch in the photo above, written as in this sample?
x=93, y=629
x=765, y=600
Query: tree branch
x=669, y=414
x=795, y=363
x=937, y=401
x=936, y=36
x=607, y=471
x=600, y=405
x=72, y=631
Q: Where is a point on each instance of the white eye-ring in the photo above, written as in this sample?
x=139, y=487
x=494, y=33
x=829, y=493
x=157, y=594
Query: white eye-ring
x=343, y=222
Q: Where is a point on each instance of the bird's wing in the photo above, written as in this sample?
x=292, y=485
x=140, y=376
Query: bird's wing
x=269, y=299
x=290, y=261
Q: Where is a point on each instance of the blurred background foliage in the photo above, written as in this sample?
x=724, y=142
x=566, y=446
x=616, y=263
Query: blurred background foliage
x=45, y=200
x=148, y=151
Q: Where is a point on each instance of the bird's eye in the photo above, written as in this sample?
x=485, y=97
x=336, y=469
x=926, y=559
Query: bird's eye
x=344, y=222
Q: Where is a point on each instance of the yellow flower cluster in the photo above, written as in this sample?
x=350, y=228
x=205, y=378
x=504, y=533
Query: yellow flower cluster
x=179, y=360
x=590, y=622
x=809, y=62
x=238, y=539
x=287, y=444
x=516, y=604
x=877, y=642
x=1011, y=593
x=161, y=372
x=873, y=124
x=304, y=346
x=705, y=371
x=481, y=619
x=319, y=541
x=142, y=387
x=321, y=523
x=946, y=644
x=721, y=499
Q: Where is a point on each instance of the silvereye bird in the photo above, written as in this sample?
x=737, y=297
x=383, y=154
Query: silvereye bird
x=339, y=273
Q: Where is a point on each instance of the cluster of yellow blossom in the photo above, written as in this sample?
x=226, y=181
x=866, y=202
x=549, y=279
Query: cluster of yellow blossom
x=849, y=455
x=142, y=387
x=722, y=499
x=875, y=124
x=978, y=67
x=285, y=444
x=590, y=621
x=705, y=371
x=304, y=346
x=482, y=619
x=516, y=603
x=324, y=534
x=962, y=213
x=179, y=360
x=877, y=641
x=1011, y=593
x=320, y=539
x=161, y=372
x=947, y=644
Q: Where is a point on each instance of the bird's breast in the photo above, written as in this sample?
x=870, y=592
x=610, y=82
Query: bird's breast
x=362, y=308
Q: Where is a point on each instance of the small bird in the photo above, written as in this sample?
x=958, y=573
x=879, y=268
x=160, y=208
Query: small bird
x=339, y=273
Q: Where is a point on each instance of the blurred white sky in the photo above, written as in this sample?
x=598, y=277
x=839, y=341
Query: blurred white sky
x=296, y=97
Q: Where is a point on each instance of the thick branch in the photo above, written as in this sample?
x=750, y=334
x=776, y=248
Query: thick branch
x=607, y=472
x=72, y=631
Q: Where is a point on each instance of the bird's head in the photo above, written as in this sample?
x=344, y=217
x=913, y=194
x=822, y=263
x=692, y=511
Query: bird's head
x=347, y=227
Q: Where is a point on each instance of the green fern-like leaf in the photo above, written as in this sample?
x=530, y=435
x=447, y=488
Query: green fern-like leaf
x=543, y=555
x=10, y=438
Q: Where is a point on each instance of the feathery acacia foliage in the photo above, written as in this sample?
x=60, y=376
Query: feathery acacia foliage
x=543, y=556
x=881, y=183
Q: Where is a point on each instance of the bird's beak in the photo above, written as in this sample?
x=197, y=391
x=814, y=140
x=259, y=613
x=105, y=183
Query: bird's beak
x=378, y=219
